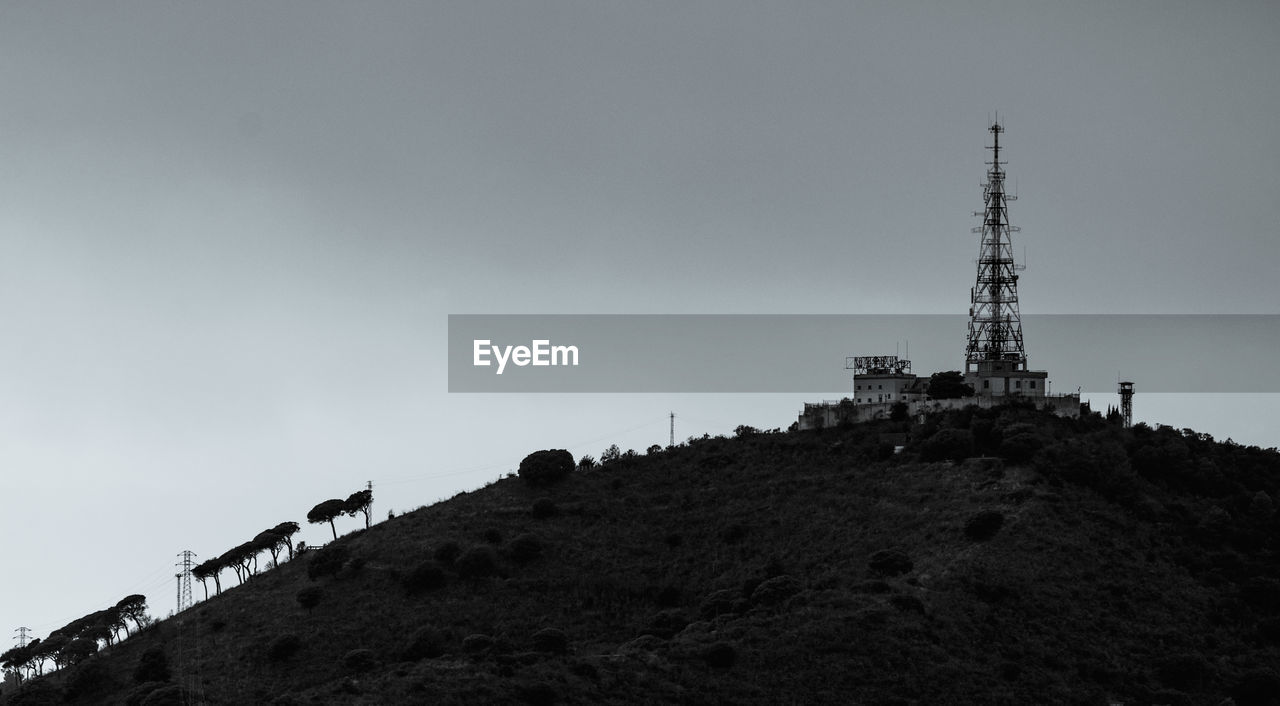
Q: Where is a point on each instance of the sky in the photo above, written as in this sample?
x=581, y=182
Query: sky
x=231, y=234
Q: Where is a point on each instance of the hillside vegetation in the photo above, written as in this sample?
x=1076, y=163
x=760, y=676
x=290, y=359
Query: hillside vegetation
x=1004, y=556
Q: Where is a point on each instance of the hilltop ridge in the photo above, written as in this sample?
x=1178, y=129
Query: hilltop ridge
x=1004, y=556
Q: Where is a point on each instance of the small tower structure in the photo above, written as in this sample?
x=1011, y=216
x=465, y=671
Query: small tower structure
x=995, y=358
x=1126, y=403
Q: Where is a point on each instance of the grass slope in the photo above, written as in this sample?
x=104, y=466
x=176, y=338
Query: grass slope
x=1089, y=565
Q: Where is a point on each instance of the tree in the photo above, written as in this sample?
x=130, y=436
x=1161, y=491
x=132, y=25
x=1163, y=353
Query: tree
x=203, y=571
x=611, y=454
x=133, y=607
x=286, y=530
x=209, y=570
x=546, y=467
x=360, y=501
x=272, y=542
x=20, y=658
x=325, y=512
x=51, y=649
x=949, y=385
x=78, y=649
x=899, y=412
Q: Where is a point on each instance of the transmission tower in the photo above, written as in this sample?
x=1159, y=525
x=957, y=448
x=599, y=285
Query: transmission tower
x=1126, y=403
x=184, y=580
x=188, y=633
x=995, y=325
x=23, y=638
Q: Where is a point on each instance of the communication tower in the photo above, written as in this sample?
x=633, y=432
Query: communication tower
x=995, y=324
x=995, y=360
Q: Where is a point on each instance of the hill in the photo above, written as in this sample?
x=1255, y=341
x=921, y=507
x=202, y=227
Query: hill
x=1004, y=556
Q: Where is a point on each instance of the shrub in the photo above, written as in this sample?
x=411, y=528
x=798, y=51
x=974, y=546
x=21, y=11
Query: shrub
x=91, y=679
x=327, y=561
x=427, y=576
x=164, y=696
x=665, y=624
x=1258, y=687
x=775, y=590
x=1021, y=447
x=309, y=597
x=135, y=696
x=984, y=525
x=536, y=694
x=448, y=553
x=37, y=692
x=720, y=655
x=890, y=562
x=152, y=666
x=723, y=602
x=1187, y=672
x=525, y=548
x=544, y=508
x=542, y=468
x=948, y=445
x=907, y=604
x=283, y=647
x=733, y=534
x=425, y=643
x=477, y=643
x=477, y=562
x=1094, y=462
x=360, y=660
x=552, y=640
x=1269, y=630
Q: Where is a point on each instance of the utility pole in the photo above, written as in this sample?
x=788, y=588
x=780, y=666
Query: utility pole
x=673, y=430
x=369, y=486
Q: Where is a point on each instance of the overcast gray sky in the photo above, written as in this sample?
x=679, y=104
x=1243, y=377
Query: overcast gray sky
x=231, y=233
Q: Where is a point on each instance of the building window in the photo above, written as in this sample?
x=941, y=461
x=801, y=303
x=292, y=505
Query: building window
x=986, y=384
x=1033, y=384
x=879, y=387
x=1017, y=384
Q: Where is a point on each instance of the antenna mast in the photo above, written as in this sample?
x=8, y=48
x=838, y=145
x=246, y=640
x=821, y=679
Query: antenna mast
x=995, y=324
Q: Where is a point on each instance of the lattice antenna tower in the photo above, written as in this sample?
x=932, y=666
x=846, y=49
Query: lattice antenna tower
x=995, y=325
